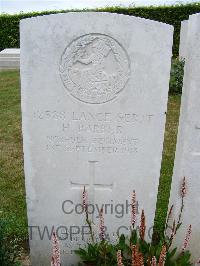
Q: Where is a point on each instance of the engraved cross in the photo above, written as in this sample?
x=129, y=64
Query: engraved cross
x=92, y=185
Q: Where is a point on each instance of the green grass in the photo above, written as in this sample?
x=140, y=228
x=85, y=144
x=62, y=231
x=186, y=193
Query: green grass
x=12, y=192
x=171, y=131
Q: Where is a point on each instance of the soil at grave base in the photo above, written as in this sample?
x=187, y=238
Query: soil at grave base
x=25, y=258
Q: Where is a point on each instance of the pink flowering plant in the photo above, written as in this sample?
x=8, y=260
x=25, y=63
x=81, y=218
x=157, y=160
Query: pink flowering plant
x=56, y=258
x=133, y=250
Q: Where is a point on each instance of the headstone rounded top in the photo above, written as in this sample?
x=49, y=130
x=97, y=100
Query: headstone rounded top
x=94, y=68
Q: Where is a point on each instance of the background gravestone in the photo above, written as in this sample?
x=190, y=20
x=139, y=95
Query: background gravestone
x=187, y=161
x=10, y=58
x=183, y=39
x=94, y=100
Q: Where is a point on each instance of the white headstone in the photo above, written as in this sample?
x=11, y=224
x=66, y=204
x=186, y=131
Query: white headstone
x=187, y=161
x=10, y=58
x=183, y=39
x=94, y=100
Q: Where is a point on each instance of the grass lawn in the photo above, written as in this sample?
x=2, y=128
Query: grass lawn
x=171, y=131
x=12, y=191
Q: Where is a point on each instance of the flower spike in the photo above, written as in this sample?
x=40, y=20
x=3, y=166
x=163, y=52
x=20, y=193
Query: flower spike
x=187, y=238
x=119, y=258
x=55, y=260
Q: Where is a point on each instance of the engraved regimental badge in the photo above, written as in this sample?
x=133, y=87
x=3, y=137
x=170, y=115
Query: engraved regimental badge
x=94, y=68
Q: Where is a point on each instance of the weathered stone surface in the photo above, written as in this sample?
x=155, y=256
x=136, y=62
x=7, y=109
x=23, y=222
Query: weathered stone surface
x=94, y=100
x=187, y=161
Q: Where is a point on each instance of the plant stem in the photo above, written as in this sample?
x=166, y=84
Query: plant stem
x=90, y=226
